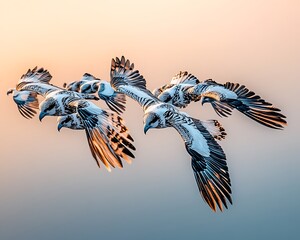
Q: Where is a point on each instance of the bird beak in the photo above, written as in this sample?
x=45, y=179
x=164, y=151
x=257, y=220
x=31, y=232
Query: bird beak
x=146, y=128
x=59, y=126
x=42, y=115
x=9, y=91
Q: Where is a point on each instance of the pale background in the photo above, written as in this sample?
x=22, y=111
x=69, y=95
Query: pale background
x=51, y=187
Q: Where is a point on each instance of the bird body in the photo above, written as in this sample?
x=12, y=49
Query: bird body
x=108, y=137
x=90, y=86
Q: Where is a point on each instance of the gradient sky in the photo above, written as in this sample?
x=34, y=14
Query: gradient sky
x=51, y=187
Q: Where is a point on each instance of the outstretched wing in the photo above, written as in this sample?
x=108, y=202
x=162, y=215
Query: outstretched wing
x=208, y=160
x=230, y=96
x=36, y=80
x=157, y=91
x=107, y=135
x=126, y=80
x=36, y=75
x=27, y=103
x=184, y=77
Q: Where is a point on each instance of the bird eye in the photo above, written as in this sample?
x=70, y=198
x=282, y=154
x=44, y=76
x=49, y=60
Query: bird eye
x=153, y=120
x=52, y=105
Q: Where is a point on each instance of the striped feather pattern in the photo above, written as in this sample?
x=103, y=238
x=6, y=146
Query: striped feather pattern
x=184, y=77
x=126, y=80
x=26, y=102
x=208, y=160
x=211, y=173
x=255, y=107
x=115, y=102
x=108, y=137
x=122, y=73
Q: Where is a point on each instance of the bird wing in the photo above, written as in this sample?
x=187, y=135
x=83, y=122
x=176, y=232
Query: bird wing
x=36, y=75
x=26, y=102
x=230, y=96
x=208, y=160
x=107, y=135
x=36, y=80
x=116, y=102
x=126, y=80
x=179, y=78
x=184, y=77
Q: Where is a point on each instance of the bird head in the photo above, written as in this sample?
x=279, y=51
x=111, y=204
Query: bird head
x=48, y=107
x=151, y=120
x=66, y=121
x=72, y=121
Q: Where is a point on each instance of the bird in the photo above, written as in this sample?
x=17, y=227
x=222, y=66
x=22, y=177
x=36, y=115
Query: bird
x=223, y=98
x=208, y=160
x=89, y=84
x=108, y=137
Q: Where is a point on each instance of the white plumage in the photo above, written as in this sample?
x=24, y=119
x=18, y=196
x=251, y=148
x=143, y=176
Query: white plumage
x=208, y=158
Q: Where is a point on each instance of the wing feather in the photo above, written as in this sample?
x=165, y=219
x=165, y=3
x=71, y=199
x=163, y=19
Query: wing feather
x=208, y=162
x=126, y=80
x=108, y=137
x=184, y=77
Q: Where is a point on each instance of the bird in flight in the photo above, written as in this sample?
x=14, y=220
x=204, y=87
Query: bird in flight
x=185, y=88
x=207, y=157
x=108, y=137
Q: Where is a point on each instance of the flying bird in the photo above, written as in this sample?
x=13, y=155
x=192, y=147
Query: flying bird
x=108, y=137
x=223, y=98
x=207, y=157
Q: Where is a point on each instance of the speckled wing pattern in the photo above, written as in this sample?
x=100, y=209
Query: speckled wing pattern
x=108, y=137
